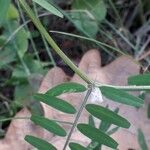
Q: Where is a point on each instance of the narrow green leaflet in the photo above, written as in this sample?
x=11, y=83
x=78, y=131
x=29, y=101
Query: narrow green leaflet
x=97, y=135
x=75, y=146
x=107, y=115
x=121, y=96
x=69, y=87
x=4, y=6
x=56, y=103
x=38, y=143
x=49, y=7
x=49, y=125
x=141, y=140
x=143, y=79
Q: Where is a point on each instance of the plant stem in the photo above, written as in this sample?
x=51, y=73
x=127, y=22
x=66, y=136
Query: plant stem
x=90, y=39
x=128, y=88
x=43, y=31
x=78, y=116
x=12, y=118
x=44, y=41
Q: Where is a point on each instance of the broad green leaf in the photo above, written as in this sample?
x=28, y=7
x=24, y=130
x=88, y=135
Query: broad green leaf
x=97, y=135
x=19, y=43
x=143, y=79
x=34, y=66
x=141, y=140
x=107, y=115
x=38, y=143
x=12, y=12
x=49, y=125
x=6, y=56
x=19, y=75
x=76, y=146
x=23, y=94
x=97, y=8
x=56, y=103
x=51, y=8
x=84, y=23
x=148, y=111
x=69, y=87
x=4, y=6
x=121, y=96
x=22, y=42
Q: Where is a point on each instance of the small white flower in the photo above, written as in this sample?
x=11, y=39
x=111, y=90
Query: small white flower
x=96, y=96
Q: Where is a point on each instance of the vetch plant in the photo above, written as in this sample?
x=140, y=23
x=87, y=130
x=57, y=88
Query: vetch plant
x=99, y=135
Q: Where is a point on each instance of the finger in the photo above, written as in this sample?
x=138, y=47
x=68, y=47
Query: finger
x=89, y=63
x=54, y=76
x=118, y=71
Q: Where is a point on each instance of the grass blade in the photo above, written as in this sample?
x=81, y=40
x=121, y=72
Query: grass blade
x=49, y=7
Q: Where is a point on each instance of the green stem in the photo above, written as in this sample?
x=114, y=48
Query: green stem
x=78, y=116
x=43, y=31
x=128, y=88
x=44, y=41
